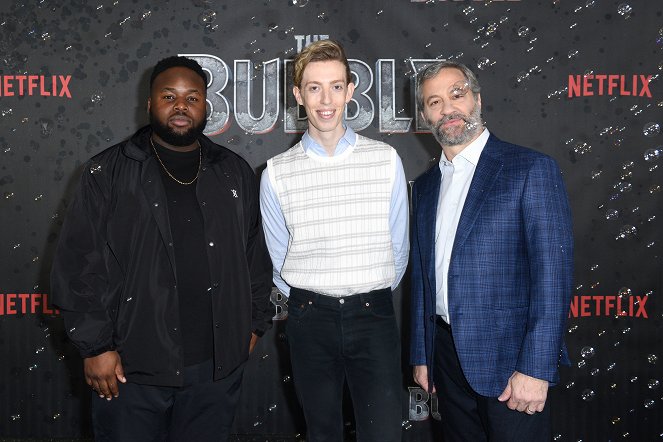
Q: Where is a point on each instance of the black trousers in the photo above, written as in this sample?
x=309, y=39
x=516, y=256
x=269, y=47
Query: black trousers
x=469, y=416
x=201, y=410
x=355, y=338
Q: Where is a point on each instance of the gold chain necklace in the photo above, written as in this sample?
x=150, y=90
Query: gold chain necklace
x=184, y=183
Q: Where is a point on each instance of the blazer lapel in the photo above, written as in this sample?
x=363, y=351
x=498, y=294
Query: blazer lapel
x=428, y=195
x=487, y=171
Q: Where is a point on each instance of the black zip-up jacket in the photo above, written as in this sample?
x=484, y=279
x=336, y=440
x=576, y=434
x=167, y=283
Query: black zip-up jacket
x=114, y=275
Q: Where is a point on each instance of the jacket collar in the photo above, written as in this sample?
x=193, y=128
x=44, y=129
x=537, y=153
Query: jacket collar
x=138, y=147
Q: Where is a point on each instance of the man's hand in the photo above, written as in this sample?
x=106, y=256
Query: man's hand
x=525, y=393
x=254, y=341
x=420, y=374
x=101, y=373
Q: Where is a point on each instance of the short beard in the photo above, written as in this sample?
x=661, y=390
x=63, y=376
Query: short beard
x=173, y=138
x=473, y=126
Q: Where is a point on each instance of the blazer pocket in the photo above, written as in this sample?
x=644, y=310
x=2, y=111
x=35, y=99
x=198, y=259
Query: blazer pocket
x=510, y=328
x=511, y=316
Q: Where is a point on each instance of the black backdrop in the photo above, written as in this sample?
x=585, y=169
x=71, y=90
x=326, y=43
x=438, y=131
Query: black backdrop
x=608, y=145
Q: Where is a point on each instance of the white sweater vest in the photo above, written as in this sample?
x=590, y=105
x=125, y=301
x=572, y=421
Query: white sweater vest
x=337, y=212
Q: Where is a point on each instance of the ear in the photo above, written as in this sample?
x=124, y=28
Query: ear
x=149, y=104
x=298, y=96
x=351, y=90
x=479, y=100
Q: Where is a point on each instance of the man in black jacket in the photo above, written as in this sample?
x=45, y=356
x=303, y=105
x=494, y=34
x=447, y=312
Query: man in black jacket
x=162, y=273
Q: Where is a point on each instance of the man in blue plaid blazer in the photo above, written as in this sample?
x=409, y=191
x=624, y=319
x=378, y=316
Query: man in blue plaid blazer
x=492, y=264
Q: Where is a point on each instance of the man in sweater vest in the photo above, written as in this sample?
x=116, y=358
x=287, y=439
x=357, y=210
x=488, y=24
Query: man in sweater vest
x=335, y=216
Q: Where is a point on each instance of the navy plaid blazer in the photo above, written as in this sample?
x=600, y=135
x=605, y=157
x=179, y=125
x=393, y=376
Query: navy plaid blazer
x=511, y=269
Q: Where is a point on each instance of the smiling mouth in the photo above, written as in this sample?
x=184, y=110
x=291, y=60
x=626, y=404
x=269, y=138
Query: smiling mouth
x=452, y=121
x=326, y=114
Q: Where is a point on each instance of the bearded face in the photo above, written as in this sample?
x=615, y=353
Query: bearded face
x=177, y=107
x=451, y=109
x=458, y=134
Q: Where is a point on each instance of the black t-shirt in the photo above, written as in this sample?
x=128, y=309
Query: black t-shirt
x=192, y=267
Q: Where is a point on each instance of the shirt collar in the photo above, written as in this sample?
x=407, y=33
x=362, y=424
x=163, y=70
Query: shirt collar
x=348, y=139
x=472, y=151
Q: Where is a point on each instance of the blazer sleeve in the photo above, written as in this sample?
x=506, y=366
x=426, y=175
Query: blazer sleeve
x=417, y=332
x=79, y=278
x=549, y=238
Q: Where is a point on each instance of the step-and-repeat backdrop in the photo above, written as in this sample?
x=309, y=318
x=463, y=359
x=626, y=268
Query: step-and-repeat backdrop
x=576, y=79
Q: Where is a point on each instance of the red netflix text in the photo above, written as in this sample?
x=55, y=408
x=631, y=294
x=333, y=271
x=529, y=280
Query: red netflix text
x=25, y=303
x=594, y=305
x=609, y=84
x=42, y=85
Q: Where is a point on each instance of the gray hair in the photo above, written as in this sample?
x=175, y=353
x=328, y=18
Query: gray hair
x=432, y=70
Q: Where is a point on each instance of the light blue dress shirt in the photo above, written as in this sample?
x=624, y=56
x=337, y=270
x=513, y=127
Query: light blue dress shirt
x=455, y=183
x=276, y=231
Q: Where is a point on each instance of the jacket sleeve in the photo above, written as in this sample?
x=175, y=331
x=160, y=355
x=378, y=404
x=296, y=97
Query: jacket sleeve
x=79, y=280
x=260, y=264
x=549, y=237
x=417, y=335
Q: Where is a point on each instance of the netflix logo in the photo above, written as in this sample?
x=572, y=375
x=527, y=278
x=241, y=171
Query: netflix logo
x=25, y=304
x=609, y=84
x=610, y=305
x=28, y=85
